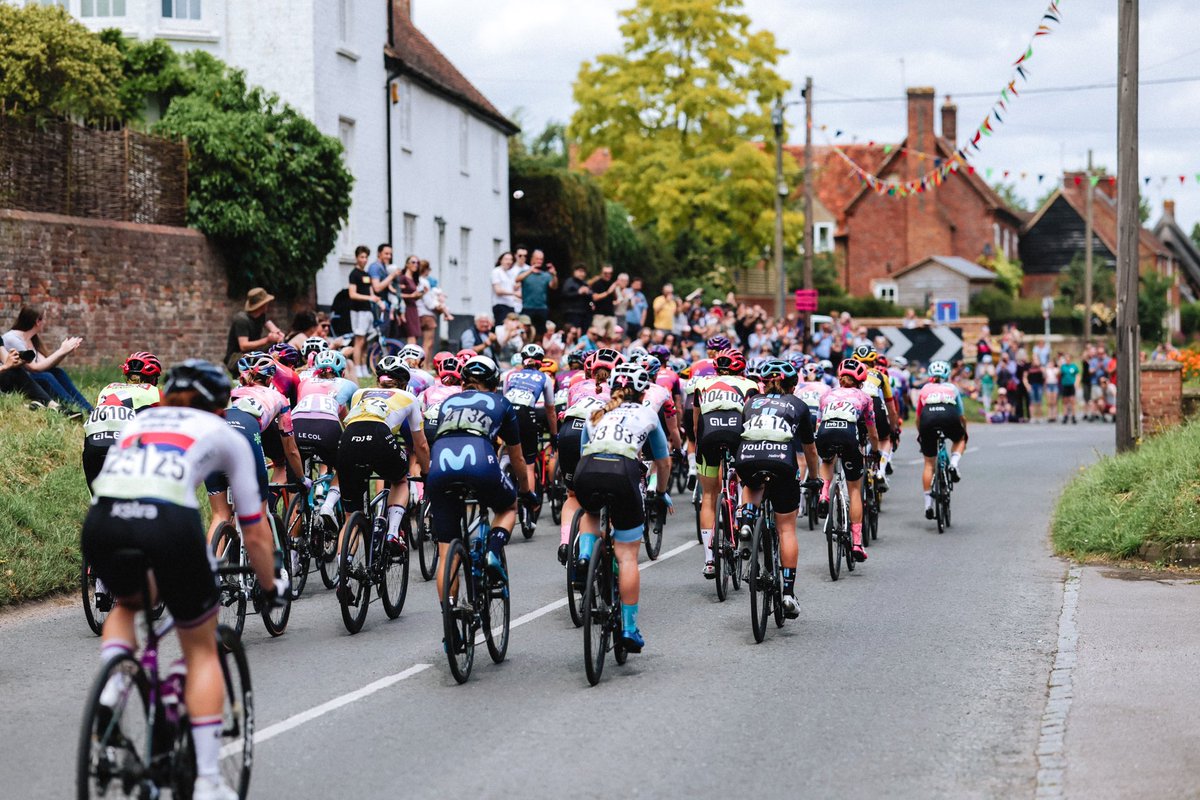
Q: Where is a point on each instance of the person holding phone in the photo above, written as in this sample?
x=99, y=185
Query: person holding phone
x=535, y=284
x=44, y=368
x=14, y=378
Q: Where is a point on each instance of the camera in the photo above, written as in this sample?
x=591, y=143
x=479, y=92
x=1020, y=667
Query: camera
x=27, y=355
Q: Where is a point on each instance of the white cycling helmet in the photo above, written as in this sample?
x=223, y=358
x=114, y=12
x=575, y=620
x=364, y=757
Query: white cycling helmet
x=412, y=352
x=631, y=376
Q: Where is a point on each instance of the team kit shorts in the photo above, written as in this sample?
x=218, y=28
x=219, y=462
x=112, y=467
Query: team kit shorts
x=837, y=438
x=779, y=461
x=318, y=437
x=720, y=431
x=570, y=445
x=936, y=418
x=616, y=481
x=366, y=449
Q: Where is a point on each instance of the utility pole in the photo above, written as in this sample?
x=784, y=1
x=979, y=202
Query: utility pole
x=781, y=191
x=1129, y=411
x=1087, y=259
x=809, y=239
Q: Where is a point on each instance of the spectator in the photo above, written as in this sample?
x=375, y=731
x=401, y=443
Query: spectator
x=552, y=342
x=983, y=346
x=362, y=300
x=665, y=306
x=14, y=378
x=1004, y=411
x=635, y=315
x=480, y=338
x=520, y=265
x=603, y=290
x=536, y=283
x=246, y=332
x=510, y=336
x=304, y=325
x=910, y=319
x=987, y=383
x=576, y=298
x=1068, y=377
x=383, y=278
x=505, y=299
x=1035, y=387
x=1051, y=379
x=822, y=341
x=1041, y=353
x=410, y=292
x=43, y=368
x=430, y=306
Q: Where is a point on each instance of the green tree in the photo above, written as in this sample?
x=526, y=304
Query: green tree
x=1152, y=305
x=1196, y=235
x=1008, y=193
x=684, y=109
x=264, y=184
x=1009, y=275
x=52, y=66
x=1104, y=281
x=561, y=212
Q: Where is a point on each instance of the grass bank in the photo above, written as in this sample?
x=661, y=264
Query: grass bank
x=43, y=496
x=1151, y=495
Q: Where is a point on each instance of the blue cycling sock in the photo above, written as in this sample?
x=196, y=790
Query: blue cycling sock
x=587, y=543
x=629, y=616
x=789, y=581
x=497, y=538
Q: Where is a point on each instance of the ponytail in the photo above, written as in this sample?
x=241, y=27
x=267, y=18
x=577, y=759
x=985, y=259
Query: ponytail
x=622, y=394
x=774, y=385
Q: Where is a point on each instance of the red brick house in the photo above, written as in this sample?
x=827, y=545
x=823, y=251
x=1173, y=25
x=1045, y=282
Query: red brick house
x=877, y=236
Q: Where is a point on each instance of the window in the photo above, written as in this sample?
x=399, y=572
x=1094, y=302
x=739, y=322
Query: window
x=884, y=290
x=497, y=248
x=179, y=9
x=346, y=136
x=496, y=163
x=822, y=237
x=344, y=12
x=402, y=99
x=463, y=132
x=464, y=247
x=95, y=8
x=410, y=234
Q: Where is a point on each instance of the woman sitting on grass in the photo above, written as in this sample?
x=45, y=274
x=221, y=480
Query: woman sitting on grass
x=25, y=336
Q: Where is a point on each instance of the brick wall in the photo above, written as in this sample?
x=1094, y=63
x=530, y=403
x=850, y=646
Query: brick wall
x=1162, y=395
x=121, y=286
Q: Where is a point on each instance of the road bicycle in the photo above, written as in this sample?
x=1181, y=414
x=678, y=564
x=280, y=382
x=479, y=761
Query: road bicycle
x=474, y=600
x=379, y=344
x=309, y=536
x=725, y=549
x=697, y=500
x=837, y=524
x=366, y=561
x=871, y=498
x=555, y=488
x=811, y=503
x=97, y=601
x=602, y=604
x=418, y=519
x=765, y=576
x=575, y=580
x=942, y=485
x=237, y=589
x=655, y=515
x=136, y=738
x=677, y=483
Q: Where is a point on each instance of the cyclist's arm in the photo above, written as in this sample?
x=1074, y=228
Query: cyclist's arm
x=873, y=435
x=676, y=440
x=291, y=453
x=805, y=440
x=548, y=406
x=421, y=449
x=659, y=452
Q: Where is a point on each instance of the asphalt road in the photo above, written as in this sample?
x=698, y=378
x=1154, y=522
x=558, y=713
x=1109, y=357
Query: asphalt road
x=922, y=674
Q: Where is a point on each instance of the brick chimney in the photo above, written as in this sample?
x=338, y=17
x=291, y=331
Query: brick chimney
x=1169, y=210
x=401, y=17
x=921, y=135
x=950, y=122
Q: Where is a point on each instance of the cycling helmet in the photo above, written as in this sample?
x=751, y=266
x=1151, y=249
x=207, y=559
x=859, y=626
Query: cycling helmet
x=661, y=352
x=730, y=361
x=812, y=371
x=866, y=353
x=263, y=367
x=331, y=360
x=855, y=369
x=677, y=365
x=718, y=343
x=515, y=360
x=606, y=358
x=465, y=355
x=882, y=361
x=754, y=367
x=143, y=364
x=412, y=352
x=313, y=345
x=900, y=361
x=482, y=369
x=285, y=354
x=630, y=376
x=531, y=353
x=393, y=367
x=446, y=364
x=826, y=366
x=779, y=369
x=549, y=366
x=635, y=353
x=939, y=370
x=651, y=364
x=798, y=360
x=210, y=382
x=575, y=357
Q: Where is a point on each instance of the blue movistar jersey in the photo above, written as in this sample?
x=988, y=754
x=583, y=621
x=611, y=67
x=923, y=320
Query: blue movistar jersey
x=476, y=413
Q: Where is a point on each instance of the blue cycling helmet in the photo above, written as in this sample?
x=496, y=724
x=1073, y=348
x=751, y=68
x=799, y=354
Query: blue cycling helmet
x=331, y=360
x=779, y=369
x=651, y=364
x=939, y=370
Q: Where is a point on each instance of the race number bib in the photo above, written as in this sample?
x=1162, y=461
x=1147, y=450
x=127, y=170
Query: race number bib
x=840, y=410
x=251, y=406
x=519, y=397
x=767, y=427
x=317, y=404
x=107, y=419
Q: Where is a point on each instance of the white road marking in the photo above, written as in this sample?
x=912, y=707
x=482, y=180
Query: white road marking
x=296, y=720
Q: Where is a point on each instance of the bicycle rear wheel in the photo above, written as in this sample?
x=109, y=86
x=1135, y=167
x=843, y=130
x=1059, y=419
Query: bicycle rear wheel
x=847, y=538
x=696, y=495
x=232, y=589
x=833, y=542
x=275, y=618
x=576, y=584
x=495, y=614
x=354, y=584
x=297, y=523
x=558, y=496
x=237, y=725
x=326, y=551
x=393, y=584
x=91, y=601
x=597, y=612
x=776, y=576
x=759, y=580
x=652, y=529
x=427, y=548
x=723, y=566
x=112, y=759
x=458, y=615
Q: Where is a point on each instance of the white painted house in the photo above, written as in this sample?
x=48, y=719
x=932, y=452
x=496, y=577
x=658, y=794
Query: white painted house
x=361, y=71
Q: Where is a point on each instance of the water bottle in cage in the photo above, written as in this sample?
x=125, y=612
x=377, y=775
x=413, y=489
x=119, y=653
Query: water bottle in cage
x=172, y=691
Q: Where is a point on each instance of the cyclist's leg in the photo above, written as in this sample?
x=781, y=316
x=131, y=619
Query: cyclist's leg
x=628, y=521
x=204, y=695
x=854, y=467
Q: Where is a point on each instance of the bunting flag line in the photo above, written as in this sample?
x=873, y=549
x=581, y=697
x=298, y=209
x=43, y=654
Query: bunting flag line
x=942, y=167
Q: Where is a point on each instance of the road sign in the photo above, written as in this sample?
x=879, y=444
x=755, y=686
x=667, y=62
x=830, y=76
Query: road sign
x=806, y=300
x=947, y=311
x=922, y=344
x=1047, y=306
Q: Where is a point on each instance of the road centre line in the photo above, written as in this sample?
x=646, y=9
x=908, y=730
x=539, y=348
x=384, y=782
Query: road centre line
x=296, y=720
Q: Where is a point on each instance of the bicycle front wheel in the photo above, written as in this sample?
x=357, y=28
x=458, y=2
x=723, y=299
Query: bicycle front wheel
x=495, y=614
x=427, y=549
x=598, y=611
x=275, y=618
x=833, y=542
x=112, y=758
x=652, y=529
x=457, y=612
x=759, y=580
x=393, y=587
x=724, y=567
x=576, y=584
x=232, y=589
x=296, y=526
x=237, y=723
x=91, y=601
x=354, y=584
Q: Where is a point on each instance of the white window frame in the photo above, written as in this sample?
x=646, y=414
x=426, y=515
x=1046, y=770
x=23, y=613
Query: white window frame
x=464, y=247
x=410, y=235
x=404, y=93
x=194, y=10
x=464, y=142
x=345, y=21
x=822, y=237
x=346, y=137
x=885, y=290
x=91, y=9
x=496, y=163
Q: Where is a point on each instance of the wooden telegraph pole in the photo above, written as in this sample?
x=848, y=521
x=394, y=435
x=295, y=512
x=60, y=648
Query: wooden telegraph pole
x=809, y=239
x=1129, y=412
x=1087, y=259
x=781, y=191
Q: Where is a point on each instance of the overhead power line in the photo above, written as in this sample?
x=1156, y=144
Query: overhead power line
x=1045, y=90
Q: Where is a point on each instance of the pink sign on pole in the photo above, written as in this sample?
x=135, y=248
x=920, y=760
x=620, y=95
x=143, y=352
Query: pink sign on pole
x=806, y=300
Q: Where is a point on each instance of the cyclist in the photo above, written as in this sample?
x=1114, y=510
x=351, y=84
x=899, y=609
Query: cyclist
x=939, y=408
x=532, y=391
x=382, y=428
x=777, y=437
x=116, y=406
x=702, y=368
x=878, y=386
x=309, y=349
x=717, y=420
x=828, y=373
x=413, y=357
x=659, y=399
x=317, y=419
x=146, y=501
x=574, y=367
x=287, y=361
x=469, y=424
x=263, y=417
x=610, y=474
x=584, y=397
x=844, y=412
x=449, y=381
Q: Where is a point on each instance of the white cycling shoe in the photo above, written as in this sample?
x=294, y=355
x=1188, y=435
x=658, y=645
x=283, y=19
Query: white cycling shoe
x=791, y=606
x=209, y=789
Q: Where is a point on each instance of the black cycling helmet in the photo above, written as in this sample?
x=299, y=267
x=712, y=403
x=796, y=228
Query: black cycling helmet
x=392, y=367
x=482, y=369
x=575, y=357
x=210, y=382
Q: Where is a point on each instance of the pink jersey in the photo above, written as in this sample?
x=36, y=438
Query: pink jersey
x=935, y=393
x=847, y=405
x=584, y=388
x=265, y=404
x=658, y=398
x=286, y=382
x=812, y=392
x=431, y=399
x=667, y=379
x=323, y=398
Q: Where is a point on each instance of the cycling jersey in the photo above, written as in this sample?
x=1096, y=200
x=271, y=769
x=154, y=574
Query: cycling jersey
x=396, y=408
x=811, y=393
x=723, y=392
x=623, y=431
x=781, y=419
x=659, y=400
x=115, y=407
x=431, y=404
x=584, y=407
x=585, y=388
x=877, y=384
x=266, y=405
x=667, y=379
x=419, y=380
x=286, y=381
x=566, y=376
x=476, y=413
x=529, y=387
x=846, y=405
x=165, y=453
x=940, y=397
x=323, y=398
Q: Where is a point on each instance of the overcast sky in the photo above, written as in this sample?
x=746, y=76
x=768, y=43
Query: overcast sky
x=526, y=53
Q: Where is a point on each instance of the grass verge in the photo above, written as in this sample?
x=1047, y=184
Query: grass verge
x=1152, y=494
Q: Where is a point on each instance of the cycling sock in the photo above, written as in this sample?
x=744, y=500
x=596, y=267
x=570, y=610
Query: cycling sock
x=928, y=501
x=206, y=735
x=587, y=543
x=331, y=500
x=692, y=461
x=114, y=647
x=789, y=581
x=629, y=617
x=825, y=490
x=395, y=516
x=564, y=531
x=954, y=457
x=856, y=534
x=706, y=535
